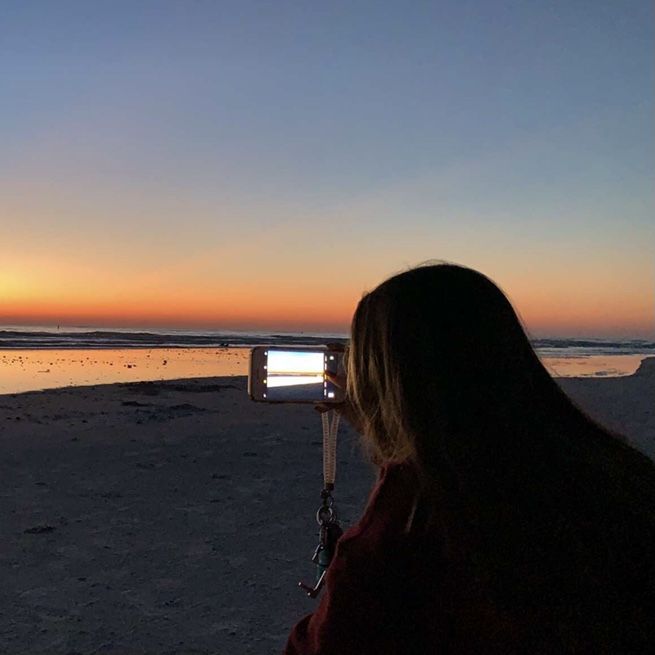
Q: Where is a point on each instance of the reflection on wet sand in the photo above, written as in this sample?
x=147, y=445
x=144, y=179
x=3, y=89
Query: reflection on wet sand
x=29, y=370
x=596, y=366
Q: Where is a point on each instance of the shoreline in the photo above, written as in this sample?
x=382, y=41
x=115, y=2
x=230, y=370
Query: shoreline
x=644, y=370
x=619, y=402
x=31, y=370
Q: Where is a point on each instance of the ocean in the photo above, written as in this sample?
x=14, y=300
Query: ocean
x=37, y=337
x=33, y=338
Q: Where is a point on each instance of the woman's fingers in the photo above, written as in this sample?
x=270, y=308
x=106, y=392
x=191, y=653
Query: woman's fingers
x=321, y=408
x=337, y=379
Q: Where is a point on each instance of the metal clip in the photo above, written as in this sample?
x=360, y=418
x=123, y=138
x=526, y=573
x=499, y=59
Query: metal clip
x=329, y=534
x=314, y=591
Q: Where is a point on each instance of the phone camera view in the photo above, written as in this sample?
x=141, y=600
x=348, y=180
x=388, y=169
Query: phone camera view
x=299, y=375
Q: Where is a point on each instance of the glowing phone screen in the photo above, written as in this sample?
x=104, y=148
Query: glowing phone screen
x=298, y=375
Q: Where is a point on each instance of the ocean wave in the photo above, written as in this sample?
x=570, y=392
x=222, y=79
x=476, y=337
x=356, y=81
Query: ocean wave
x=589, y=347
x=106, y=339
x=80, y=338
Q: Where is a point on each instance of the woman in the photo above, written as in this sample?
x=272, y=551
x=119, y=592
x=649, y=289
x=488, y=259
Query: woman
x=504, y=520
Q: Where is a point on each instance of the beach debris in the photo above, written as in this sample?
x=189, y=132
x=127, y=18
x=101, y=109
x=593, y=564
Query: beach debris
x=40, y=529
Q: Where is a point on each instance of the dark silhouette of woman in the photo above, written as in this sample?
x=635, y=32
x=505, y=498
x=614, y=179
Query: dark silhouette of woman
x=504, y=519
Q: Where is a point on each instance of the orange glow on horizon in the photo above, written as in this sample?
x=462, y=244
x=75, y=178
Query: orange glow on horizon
x=302, y=312
x=74, y=292
x=305, y=314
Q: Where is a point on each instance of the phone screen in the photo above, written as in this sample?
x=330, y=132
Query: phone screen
x=297, y=375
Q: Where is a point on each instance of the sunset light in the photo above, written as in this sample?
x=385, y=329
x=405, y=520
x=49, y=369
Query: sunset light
x=261, y=389
x=146, y=185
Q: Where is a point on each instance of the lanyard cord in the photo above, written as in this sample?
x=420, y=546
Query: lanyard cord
x=326, y=516
x=330, y=421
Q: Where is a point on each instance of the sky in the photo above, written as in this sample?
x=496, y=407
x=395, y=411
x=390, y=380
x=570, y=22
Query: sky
x=263, y=164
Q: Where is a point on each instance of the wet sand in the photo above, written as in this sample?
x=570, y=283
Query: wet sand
x=38, y=369
x=35, y=370
x=177, y=517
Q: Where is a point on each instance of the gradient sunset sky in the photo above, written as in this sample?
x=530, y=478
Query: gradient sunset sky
x=261, y=164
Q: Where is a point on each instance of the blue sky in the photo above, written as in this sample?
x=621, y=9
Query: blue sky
x=141, y=139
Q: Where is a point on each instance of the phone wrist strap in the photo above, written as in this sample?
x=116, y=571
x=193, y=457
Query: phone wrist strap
x=326, y=516
x=330, y=422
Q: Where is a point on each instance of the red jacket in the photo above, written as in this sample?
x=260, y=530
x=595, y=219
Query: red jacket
x=394, y=588
x=387, y=593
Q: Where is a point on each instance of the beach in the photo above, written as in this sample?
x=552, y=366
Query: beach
x=35, y=370
x=178, y=517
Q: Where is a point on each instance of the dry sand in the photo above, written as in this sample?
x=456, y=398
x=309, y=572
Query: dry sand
x=177, y=517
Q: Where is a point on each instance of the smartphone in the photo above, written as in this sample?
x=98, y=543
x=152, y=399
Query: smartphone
x=290, y=374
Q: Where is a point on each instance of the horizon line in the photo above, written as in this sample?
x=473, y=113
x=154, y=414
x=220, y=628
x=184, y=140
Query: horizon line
x=287, y=330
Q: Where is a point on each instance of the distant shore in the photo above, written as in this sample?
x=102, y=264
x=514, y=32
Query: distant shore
x=178, y=516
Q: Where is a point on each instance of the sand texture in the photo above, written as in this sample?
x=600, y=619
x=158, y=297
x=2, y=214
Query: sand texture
x=177, y=517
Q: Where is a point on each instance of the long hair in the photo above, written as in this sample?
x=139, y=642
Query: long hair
x=523, y=483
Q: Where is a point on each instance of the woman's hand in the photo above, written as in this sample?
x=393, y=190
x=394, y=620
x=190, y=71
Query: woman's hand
x=345, y=408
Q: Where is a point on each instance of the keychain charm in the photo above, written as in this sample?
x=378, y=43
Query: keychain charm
x=329, y=533
x=326, y=516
